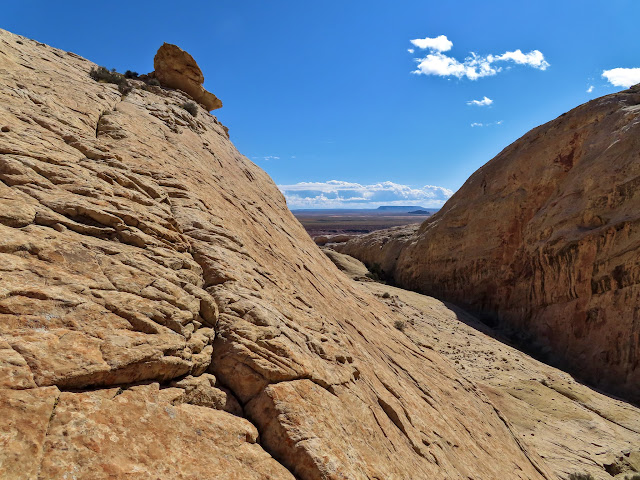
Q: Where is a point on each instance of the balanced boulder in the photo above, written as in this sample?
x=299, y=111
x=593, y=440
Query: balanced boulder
x=175, y=68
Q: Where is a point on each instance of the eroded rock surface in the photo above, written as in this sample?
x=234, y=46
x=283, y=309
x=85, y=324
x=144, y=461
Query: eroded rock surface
x=163, y=315
x=545, y=240
x=573, y=427
x=175, y=68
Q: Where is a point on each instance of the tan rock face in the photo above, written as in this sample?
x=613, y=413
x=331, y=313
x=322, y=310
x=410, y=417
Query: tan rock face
x=163, y=315
x=175, y=68
x=544, y=238
x=573, y=427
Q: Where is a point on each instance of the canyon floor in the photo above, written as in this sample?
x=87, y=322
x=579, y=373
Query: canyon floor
x=575, y=428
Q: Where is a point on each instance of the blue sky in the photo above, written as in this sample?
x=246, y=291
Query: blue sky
x=322, y=95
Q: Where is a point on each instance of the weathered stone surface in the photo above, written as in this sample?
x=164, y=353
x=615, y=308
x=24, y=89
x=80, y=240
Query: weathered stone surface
x=175, y=68
x=133, y=434
x=202, y=391
x=573, y=427
x=545, y=239
x=24, y=423
x=350, y=266
x=162, y=276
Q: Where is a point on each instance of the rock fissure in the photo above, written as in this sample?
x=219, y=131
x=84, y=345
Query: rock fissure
x=523, y=448
x=46, y=433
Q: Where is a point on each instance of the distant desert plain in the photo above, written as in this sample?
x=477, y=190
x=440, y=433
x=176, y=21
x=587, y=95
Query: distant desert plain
x=331, y=222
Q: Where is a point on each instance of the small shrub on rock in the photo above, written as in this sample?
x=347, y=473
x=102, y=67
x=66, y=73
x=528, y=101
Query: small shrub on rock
x=581, y=476
x=400, y=325
x=154, y=82
x=125, y=87
x=386, y=295
x=130, y=74
x=190, y=107
x=102, y=74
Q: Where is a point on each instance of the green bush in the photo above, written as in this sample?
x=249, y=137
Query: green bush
x=130, y=74
x=104, y=75
x=154, y=82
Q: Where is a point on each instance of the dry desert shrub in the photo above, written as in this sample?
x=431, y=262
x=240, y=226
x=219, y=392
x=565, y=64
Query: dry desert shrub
x=190, y=107
x=400, y=325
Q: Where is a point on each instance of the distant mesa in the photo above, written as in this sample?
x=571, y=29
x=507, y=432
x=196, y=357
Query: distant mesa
x=398, y=209
x=175, y=68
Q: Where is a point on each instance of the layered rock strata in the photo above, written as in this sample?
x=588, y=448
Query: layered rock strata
x=544, y=240
x=163, y=315
x=576, y=429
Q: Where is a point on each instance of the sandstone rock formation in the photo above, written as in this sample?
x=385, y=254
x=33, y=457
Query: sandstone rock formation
x=545, y=239
x=175, y=68
x=163, y=315
x=573, y=427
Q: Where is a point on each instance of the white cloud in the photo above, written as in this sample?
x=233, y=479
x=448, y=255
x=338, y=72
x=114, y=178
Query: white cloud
x=590, y=89
x=437, y=44
x=340, y=194
x=480, y=103
x=410, y=50
x=472, y=67
x=622, y=77
x=438, y=64
x=491, y=124
x=534, y=58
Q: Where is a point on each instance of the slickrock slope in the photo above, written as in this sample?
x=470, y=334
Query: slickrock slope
x=545, y=239
x=163, y=315
x=574, y=428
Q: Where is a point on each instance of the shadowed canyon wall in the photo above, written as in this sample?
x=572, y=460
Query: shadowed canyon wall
x=545, y=240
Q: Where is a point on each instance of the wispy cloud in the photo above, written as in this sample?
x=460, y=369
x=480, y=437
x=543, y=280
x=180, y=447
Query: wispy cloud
x=340, y=194
x=590, y=89
x=480, y=103
x=534, y=58
x=622, y=77
x=472, y=67
x=491, y=124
